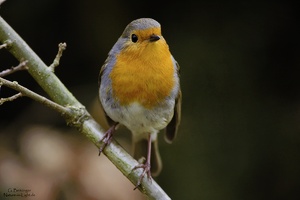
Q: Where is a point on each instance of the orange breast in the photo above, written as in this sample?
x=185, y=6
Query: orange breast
x=143, y=74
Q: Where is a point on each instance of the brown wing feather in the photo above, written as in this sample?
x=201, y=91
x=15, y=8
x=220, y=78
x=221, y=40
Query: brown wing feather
x=172, y=127
x=108, y=119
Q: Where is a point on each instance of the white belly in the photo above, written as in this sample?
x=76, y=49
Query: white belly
x=141, y=120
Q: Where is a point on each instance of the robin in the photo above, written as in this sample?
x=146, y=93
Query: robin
x=139, y=88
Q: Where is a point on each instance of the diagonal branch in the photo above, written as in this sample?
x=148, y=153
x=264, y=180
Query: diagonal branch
x=82, y=120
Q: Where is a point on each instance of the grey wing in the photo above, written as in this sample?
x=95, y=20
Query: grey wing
x=172, y=127
x=108, y=119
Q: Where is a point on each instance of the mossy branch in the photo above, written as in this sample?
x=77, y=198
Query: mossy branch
x=71, y=109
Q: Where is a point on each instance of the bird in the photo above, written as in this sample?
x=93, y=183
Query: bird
x=139, y=88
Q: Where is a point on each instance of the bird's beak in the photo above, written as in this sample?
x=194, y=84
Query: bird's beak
x=154, y=38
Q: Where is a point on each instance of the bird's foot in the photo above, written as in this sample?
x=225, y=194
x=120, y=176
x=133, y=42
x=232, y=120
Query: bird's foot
x=146, y=170
x=106, y=140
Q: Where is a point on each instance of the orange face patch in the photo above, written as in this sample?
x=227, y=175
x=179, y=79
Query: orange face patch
x=143, y=72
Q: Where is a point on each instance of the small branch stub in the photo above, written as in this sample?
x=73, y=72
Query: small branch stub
x=6, y=43
x=61, y=48
x=3, y=46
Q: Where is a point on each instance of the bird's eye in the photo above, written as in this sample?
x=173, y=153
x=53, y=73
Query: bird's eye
x=134, y=38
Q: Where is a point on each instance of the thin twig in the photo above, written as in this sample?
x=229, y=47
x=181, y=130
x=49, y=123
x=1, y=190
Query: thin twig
x=26, y=92
x=12, y=98
x=61, y=48
x=21, y=66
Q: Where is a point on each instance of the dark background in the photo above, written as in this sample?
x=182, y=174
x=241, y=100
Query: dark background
x=239, y=137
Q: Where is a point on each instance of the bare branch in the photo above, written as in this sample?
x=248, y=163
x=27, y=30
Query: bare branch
x=61, y=48
x=12, y=98
x=21, y=66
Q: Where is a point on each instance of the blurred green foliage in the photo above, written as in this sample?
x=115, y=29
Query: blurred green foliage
x=240, y=67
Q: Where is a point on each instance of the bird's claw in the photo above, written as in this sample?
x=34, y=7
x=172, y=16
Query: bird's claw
x=106, y=140
x=146, y=170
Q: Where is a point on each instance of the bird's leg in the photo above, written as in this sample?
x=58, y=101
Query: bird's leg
x=146, y=166
x=107, y=137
